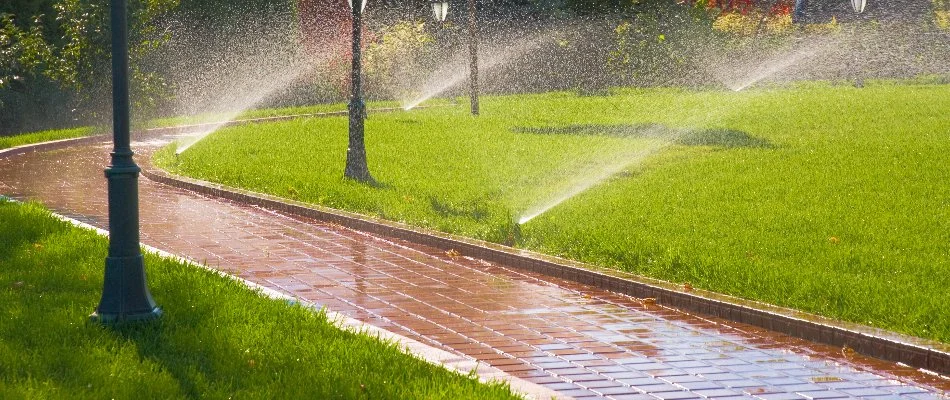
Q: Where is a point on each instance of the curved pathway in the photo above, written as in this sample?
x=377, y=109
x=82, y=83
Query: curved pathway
x=578, y=340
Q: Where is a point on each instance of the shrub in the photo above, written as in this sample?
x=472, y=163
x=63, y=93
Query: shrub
x=397, y=59
x=656, y=45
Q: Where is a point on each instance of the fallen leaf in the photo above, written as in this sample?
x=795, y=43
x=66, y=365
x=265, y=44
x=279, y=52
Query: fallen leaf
x=847, y=351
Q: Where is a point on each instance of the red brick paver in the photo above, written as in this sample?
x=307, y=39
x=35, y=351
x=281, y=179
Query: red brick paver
x=578, y=340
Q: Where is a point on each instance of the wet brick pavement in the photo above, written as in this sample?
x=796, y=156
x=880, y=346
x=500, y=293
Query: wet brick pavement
x=578, y=340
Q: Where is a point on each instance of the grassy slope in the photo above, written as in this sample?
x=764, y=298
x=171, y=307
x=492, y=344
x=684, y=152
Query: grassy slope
x=44, y=136
x=217, y=338
x=843, y=214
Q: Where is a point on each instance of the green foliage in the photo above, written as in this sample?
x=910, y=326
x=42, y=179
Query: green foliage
x=71, y=50
x=819, y=197
x=83, y=62
x=942, y=14
x=656, y=44
x=753, y=24
x=393, y=62
x=23, y=52
x=217, y=339
x=29, y=99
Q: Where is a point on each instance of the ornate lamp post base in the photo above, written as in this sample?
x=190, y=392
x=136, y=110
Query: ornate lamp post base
x=130, y=300
x=125, y=295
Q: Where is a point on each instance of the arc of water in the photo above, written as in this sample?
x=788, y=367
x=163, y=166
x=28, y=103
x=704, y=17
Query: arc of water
x=584, y=181
x=247, y=96
x=457, y=69
x=581, y=185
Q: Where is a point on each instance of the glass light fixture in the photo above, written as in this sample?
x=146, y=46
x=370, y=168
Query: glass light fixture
x=858, y=5
x=440, y=9
x=362, y=8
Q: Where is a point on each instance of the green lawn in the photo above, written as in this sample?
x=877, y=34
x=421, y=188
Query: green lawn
x=217, y=339
x=44, y=136
x=825, y=198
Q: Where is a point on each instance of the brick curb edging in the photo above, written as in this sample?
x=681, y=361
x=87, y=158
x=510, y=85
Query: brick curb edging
x=916, y=352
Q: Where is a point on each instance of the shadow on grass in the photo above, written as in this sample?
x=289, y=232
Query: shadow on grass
x=728, y=138
x=195, y=342
x=372, y=183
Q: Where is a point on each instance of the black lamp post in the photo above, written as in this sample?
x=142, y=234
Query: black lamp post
x=473, y=50
x=125, y=296
x=799, y=12
x=356, y=167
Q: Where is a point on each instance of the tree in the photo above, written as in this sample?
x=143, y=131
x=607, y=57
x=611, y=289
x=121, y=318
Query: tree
x=60, y=63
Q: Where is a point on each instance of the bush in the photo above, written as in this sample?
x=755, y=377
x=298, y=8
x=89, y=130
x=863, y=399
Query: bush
x=657, y=43
x=63, y=62
x=398, y=59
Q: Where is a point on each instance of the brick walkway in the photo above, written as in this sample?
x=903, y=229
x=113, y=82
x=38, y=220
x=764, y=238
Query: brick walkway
x=577, y=340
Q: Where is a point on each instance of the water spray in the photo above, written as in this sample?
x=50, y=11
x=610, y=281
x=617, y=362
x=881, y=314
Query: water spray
x=587, y=181
x=455, y=72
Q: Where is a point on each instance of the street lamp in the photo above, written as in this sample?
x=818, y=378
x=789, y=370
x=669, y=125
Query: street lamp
x=356, y=167
x=125, y=296
x=858, y=5
x=440, y=9
x=473, y=50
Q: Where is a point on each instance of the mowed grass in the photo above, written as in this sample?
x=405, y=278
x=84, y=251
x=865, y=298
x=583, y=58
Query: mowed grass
x=829, y=199
x=44, y=136
x=217, y=338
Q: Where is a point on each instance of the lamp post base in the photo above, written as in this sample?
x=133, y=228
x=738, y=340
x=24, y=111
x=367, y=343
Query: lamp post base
x=110, y=319
x=125, y=297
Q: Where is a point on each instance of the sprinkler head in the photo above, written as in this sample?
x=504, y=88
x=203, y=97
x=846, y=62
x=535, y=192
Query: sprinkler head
x=514, y=235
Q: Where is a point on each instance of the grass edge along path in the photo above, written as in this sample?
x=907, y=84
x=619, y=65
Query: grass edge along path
x=217, y=338
x=44, y=136
x=809, y=211
x=26, y=138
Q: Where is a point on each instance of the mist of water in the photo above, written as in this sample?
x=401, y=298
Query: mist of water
x=457, y=70
x=749, y=73
x=247, y=94
x=771, y=67
x=619, y=158
x=216, y=74
x=588, y=178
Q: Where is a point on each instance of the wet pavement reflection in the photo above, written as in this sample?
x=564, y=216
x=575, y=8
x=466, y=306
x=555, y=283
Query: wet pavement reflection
x=578, y=340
